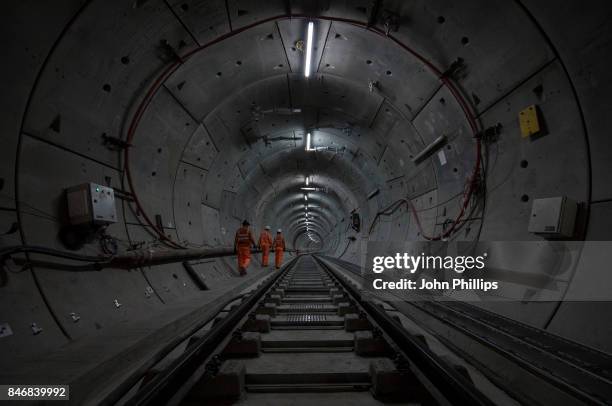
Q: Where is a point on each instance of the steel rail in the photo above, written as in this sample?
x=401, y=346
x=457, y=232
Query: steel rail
x=161, y=388
x=449, y=382
x=122, y=388
x=478, y=326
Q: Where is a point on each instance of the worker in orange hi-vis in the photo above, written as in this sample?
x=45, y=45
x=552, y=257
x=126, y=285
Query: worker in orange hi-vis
x=265, y=242
x=242, y=246
x=279, y=248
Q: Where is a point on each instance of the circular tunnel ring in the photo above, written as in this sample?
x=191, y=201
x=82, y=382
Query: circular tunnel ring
x=157, y=83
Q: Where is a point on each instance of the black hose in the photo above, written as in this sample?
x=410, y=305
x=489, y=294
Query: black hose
x=91, y=267
x=51, y=252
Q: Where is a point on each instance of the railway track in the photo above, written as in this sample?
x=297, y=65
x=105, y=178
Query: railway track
x=583, y=373
x=305, y=336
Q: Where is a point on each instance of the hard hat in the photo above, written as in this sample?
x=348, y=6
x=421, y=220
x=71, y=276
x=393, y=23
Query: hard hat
x=246, y=223
x=279, y=231
x=267, y=227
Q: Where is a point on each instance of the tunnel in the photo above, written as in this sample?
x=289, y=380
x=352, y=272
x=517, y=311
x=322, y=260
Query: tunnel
x=139, y=136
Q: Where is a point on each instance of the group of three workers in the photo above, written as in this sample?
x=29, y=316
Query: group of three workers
x=244, y=241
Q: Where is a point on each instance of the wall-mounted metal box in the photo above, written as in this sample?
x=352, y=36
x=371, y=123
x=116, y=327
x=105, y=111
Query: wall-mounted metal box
x=91, y=203
x=553, y=217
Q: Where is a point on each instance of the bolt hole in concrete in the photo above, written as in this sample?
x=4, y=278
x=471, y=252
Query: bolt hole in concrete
x=153, y=173
x=538, y=91
x=238, y=63
x=219, y=74
x=524, y=198
x=369, y=62
x=174, y=276
x=441, y=20
x=185, y=7
x=465, y=40
x=159, y=150
x=106, y=88
x=388, y=73
x=524, y=163
x=125, y=60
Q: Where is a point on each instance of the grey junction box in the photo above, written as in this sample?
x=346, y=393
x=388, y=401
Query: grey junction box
x=553, y=217
x=91, y=203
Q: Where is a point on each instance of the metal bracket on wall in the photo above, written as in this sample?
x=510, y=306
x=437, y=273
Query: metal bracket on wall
x=5, y=330
x=35, y=329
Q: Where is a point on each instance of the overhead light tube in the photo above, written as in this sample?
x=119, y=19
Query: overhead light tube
x=308, y=49
x=307, y=180
x=308, y=142
x=306, y=197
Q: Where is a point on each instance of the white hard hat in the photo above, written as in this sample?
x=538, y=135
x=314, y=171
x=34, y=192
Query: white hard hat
x=279, y=231
x=267, y=227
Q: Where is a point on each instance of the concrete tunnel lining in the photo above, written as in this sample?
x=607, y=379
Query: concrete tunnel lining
x=170, y=70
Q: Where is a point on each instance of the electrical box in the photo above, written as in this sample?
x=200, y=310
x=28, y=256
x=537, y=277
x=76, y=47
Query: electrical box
x=91, y=203
x=553, y=217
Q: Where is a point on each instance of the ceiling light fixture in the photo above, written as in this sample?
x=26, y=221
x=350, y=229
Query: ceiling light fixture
x=308, y=142
x=308, y=49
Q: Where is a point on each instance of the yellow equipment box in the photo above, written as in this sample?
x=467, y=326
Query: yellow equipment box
x=528, y=120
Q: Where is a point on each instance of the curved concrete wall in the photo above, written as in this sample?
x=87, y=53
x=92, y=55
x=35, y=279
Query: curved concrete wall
x=200, y=159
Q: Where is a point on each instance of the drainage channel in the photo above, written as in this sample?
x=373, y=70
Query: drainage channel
x=308, y=340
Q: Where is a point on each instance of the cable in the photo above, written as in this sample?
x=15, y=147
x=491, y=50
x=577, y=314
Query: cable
x=27, y=264
x=386, y=212
x=348, y=244
x=37, y=212
x=51, y=252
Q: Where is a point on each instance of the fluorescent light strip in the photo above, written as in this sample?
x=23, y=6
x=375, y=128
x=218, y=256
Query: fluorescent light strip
x=308, y=142
x=307, y=180
x=308, y=49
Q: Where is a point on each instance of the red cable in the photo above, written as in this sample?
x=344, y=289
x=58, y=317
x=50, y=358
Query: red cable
x=175, y=65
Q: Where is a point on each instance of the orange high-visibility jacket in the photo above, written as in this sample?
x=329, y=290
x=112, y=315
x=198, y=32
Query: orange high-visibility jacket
x=265, y=239
x=279, y=242
x=243, y=238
